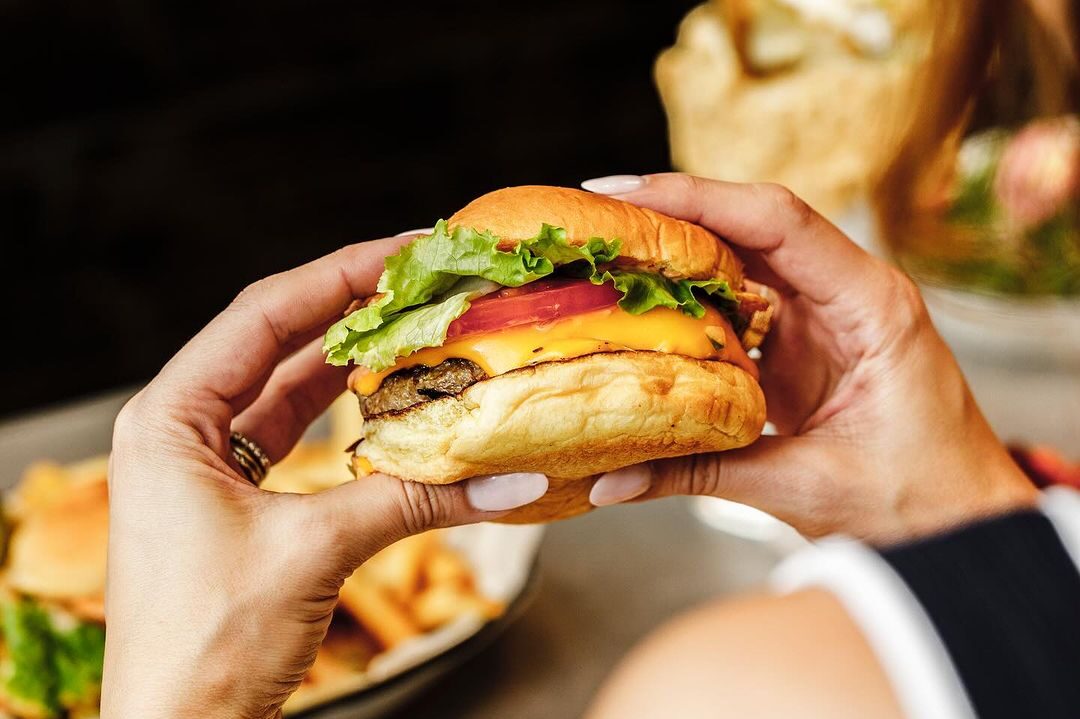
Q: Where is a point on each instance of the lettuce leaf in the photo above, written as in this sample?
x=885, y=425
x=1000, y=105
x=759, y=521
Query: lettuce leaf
x=643, y=291
x=433, y=267
x=79, y=653
x=431, y=282
x=27, y=674
x=406, y=332
x=51, y=660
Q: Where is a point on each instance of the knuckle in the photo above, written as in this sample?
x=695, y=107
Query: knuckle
x=691, y=184
x=260, y=299
x=250, y=294
x=705, y=475
x=257, y=294
x=792, y=207
x=422, y=507
x=696, y=475
x=131, y=418
x=909, y=311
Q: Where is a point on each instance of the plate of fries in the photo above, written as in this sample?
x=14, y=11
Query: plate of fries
x=407, y=616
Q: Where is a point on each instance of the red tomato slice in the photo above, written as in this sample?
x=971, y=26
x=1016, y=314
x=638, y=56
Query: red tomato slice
x=538, y=302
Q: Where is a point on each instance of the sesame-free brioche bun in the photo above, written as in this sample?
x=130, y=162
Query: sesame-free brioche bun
x=650, y=241
x=571, y=420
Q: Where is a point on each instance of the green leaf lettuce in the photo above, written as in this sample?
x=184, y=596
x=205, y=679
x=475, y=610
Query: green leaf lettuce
x=79, y=654
x=433, y=267
x=51, y=661
x=27, y=676
x=431, y=282
x=644, y=291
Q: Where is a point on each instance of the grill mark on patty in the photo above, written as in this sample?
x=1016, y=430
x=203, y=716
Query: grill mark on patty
x=416, y=385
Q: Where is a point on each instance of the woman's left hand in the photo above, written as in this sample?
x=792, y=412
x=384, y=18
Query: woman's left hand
x=219, y=593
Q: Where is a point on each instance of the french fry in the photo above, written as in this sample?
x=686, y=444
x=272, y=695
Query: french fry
x=310, y=467
x=398, y=568
x=331, y=676
x=442, y=603
x=328, y=667
x=446, y=567
x=371, y=605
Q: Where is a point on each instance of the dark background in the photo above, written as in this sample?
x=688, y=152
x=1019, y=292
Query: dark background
x=157, y=157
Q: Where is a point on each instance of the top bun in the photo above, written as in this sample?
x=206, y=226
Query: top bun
x=58, y=551
x=650, y=241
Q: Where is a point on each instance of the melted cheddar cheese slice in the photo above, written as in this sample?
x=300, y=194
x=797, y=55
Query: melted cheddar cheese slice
x=606, y=330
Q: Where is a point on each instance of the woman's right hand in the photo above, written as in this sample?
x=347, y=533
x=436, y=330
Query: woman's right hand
x=880, y=437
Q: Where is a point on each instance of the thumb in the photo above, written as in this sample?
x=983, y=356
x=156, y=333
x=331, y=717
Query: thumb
x=783, y=476
x=370, y=513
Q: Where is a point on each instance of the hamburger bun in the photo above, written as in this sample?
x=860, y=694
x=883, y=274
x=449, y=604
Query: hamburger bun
x=58, y=551
x=578, y=416
x=570, y=420
x=651, y=242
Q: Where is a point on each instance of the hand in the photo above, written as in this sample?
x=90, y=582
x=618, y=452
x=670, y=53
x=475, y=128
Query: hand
x=880, y=436
x=219, y=593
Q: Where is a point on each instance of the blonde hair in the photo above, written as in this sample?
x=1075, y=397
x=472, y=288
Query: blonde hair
x=993, y=62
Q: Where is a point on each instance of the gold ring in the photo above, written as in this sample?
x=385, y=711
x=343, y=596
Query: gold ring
x=253, y=461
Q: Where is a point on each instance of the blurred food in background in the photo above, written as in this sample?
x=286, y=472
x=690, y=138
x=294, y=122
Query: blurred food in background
x=807, y=93
x=52, y=607
x=980, y=205
x=1010, y=222
x=52, y=611
x=984, y=192
x=942, y=134
x=1046, y=466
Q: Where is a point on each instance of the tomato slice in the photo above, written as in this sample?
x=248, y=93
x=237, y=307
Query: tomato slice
x=538, y=302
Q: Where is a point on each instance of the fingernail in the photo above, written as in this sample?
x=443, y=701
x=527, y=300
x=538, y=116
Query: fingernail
x=614, y=184
x=505, y=491
x=620, y=485
x=421, y=231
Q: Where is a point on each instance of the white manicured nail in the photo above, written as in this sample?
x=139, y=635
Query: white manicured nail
x=505, y=491
x=421, y=231
x=614, y=184
x=620, y=485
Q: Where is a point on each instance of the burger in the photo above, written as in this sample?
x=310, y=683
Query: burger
x=551, y=330
x=52, y=607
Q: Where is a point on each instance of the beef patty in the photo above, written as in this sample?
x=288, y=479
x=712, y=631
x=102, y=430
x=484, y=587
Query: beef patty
x=415, y=385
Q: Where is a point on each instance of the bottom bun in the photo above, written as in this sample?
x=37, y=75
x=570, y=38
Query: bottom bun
x=570, y=419
x=565, y=498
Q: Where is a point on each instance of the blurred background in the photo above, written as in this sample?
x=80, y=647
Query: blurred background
x=157, y=157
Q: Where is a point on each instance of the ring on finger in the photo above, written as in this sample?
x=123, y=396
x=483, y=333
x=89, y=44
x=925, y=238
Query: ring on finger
x=252, y=459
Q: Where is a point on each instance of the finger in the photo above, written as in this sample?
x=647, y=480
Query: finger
x=755, y=266
x=621, y=485
x=299, y=390
x=364, y=516
x=241, y=345
x=782, y=476
x=243, y=400
x=778, y=475
x=798, y=245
